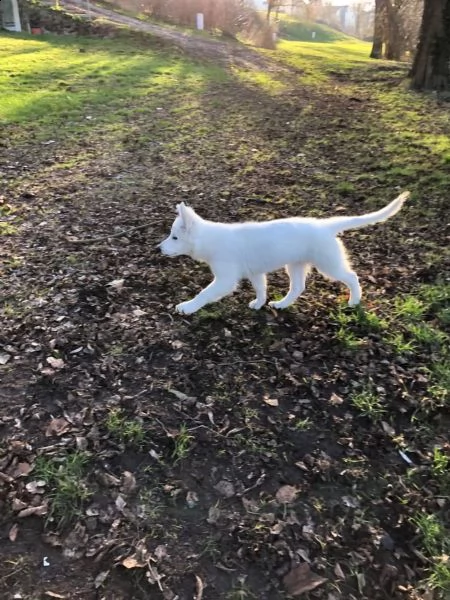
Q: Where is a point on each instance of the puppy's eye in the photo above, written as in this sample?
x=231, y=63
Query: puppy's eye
x=174, y=237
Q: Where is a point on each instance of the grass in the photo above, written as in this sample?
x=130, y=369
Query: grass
x=427, y=335
x=127, y=431
x=54, y=80
x=356, y=322
x=440, y=381
x=436, y=542
x=66, y=488
x=368, y=404
x=316, y=62
x=410, y=309
x=292, y=29
x=182, y=444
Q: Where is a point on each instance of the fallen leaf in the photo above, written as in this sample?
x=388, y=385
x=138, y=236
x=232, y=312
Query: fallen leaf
x=131, y=562
x=181, y=395
x=55, y=363
x=301, y=580
x=335, y=399
x=128, y=482
x=4, y=358
x=53, y=594
x=338, y=571
x=35, y=487
x=225, y=488
x=191, y=499
x=387, y=428
x=213, y=515
x=100, y=579
x=116, y=284
x=39, y=511
x=120, y=503
x=271, y=401
x=160, y=552
x=57, y=427
x=12, y=534
x=286, y=494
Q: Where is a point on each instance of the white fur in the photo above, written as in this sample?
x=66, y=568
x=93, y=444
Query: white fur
x=250, y=250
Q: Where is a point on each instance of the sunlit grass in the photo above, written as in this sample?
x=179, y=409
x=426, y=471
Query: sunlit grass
x=58, y=79
x=315, y=61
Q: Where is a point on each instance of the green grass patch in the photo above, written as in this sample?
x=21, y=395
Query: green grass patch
x=65, y=485
x=53, y=79
x=316, y=62
x=368, y=404
x=182, y=443
x=127, y=431
x=292, y=29
x=436, y=542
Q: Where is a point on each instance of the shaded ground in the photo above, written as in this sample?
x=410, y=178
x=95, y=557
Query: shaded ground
x=146, y=455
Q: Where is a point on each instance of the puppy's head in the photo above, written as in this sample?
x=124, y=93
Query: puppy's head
x=181, y=239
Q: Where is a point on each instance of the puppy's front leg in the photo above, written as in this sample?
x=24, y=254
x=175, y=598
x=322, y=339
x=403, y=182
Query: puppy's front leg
x=220, y=287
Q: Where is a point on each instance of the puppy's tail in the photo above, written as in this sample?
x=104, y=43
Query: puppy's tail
x=339, y=224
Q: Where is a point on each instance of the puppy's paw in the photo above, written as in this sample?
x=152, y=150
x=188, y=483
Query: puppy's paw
x=256, y=304
x=186, y=308
x=354, y=302
x=278, y=305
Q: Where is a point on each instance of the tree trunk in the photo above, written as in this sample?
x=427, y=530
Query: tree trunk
x=393, y=37
x=377, y=47
x=431, y=67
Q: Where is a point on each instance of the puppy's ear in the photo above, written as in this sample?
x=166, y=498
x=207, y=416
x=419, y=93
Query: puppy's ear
x=187, y=214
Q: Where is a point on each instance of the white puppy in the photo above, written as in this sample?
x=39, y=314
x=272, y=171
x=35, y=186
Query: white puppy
x=238, y=251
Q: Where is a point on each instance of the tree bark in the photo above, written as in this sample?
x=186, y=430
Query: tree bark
x=431, y=67
x=378, y=33
x=393, y=36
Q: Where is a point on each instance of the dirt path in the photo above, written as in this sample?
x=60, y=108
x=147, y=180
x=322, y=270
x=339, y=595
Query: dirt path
x=222, y=52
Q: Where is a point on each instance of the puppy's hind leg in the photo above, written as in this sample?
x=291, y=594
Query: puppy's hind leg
x=297, y=275
x=259, y=283
x=336, y=266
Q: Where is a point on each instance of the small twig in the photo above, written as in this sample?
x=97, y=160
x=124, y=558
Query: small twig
x=103, y=238
x=247, y=362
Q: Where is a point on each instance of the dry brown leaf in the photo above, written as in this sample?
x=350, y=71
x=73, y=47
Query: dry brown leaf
x=271, y=401
x=335, y=399
x=160, y=552
x=128, y=482
x=4, y=358
x=338, y=571
x=57, y=427
x=55, y=363
x=131, y=562
x=225, y=488
x=100, y=579
x=301, y=580
x=13, y=532
x=286, y=494
x=21, y=470
x=116, y=284
x=39, y=511
x=387, y=428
